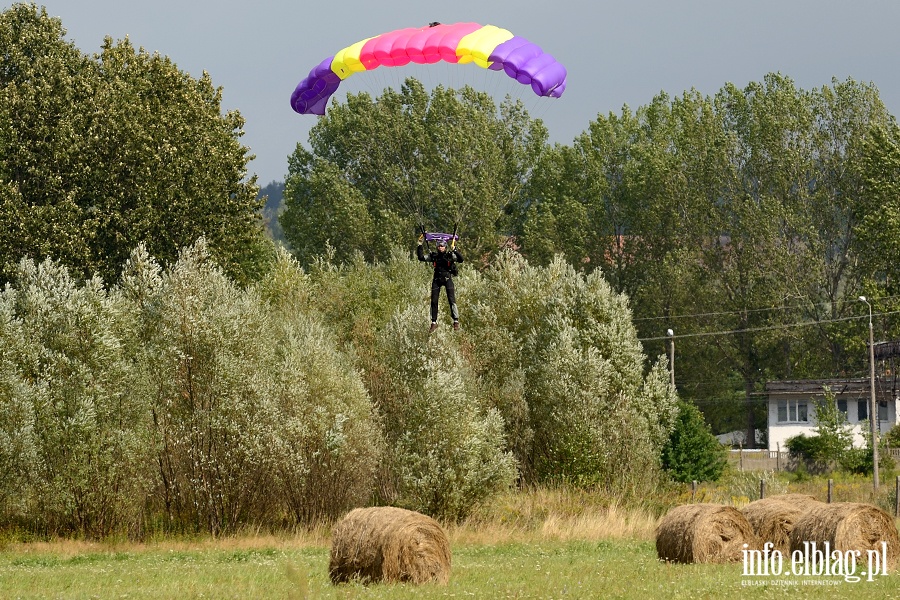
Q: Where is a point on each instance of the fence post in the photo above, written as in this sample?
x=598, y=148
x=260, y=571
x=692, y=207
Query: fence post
x=830, y=489
x=741, y=455
x=762, y=489
x=694, y=489
x=778, y=456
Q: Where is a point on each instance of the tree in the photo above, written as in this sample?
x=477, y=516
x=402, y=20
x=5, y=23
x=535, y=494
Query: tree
x=82, y=458
x=255, y=412
x=377, y=170
x=99, y=154
x=878, y=226
x=734, y=214
x=832, y=444
x=692, y=452
x=832, y=429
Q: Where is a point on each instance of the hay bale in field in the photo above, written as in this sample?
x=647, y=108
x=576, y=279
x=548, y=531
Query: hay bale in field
x=703, y=533
x=772, y=519
x=389, y=544
x=848, y=526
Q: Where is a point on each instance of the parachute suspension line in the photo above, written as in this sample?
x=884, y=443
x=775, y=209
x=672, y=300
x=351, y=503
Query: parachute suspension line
x=538, y=110
x=522, y=62
x=402, y=148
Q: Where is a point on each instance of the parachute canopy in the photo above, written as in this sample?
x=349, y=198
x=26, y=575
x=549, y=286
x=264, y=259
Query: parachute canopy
x=487, y=46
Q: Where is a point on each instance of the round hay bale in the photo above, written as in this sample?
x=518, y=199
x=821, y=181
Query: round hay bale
x=772, y=519
x=703, y=533
x=848, y=526
x=389, y=544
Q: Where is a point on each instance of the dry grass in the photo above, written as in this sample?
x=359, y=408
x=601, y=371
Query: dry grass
x=519, y=516
x=247, y=540
x=553, y=513
x=604, y=524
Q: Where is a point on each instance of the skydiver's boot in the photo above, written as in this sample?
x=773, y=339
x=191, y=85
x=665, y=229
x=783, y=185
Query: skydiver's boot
x=455, y=325
x=433, y=326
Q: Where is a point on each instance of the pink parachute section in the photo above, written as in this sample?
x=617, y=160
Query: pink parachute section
x=492, y=48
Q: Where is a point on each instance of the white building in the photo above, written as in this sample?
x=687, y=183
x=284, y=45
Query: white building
x=792, y=406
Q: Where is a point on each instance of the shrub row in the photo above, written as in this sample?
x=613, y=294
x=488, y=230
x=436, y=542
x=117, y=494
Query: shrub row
x=177, y=400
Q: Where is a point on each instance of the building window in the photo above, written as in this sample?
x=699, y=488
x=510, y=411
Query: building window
x=842, y=406
x=862, y=410
x=792, y=411
x=882, y=411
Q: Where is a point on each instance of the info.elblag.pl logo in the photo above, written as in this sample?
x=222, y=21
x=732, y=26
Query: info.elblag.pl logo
x=815, y=561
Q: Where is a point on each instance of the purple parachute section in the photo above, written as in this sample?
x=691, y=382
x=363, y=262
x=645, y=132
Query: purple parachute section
x=520, y=59
x=312, y=94
x=431, y=237
x=525, y=62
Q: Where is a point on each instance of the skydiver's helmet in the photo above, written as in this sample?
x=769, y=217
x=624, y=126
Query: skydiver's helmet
x=442, y=244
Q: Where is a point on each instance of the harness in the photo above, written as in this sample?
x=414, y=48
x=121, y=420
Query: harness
x=450, y=266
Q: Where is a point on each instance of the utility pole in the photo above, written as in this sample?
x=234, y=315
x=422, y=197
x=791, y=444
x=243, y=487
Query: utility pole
x=873, y=409
x=671, y=335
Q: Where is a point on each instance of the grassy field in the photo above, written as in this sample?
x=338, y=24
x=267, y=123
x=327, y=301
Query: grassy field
x=282, y=569
x=545, y=544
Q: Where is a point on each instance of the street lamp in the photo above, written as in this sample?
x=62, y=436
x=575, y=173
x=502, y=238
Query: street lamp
x=671, y=335
x=873, y=411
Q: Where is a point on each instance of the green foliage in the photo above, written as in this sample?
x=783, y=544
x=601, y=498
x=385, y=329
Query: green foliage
x=74, y=416
x=892, y=438
x=833, y=443
x=328, y=436
x=692, y=452
x=832, y=428
x=98, y=154
x=578, y=394
x=810, y=449
x=19, y=457
x=176, y=400
x=255, y=411
x=546, y=371
x=880, y=218
x=273, y=193
x=446, y=448
x=720, y=206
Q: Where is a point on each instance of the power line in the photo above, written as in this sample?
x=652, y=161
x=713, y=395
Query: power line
x=749, y=310
x=768, y=328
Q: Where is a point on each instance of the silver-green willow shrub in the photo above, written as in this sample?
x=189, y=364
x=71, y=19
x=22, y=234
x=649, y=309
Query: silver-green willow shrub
x=74, y=436
x=559, y=353
x=445, y=445
x=207, y=393
x=328, y=442
x=256, y=416
x=175, y=400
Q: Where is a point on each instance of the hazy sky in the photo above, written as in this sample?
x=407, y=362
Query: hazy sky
x=616, y=53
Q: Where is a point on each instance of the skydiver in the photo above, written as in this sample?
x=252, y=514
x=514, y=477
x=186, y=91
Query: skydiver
x=444, y=264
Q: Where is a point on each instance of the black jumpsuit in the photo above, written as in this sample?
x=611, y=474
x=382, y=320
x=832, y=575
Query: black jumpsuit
x=442, y=262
